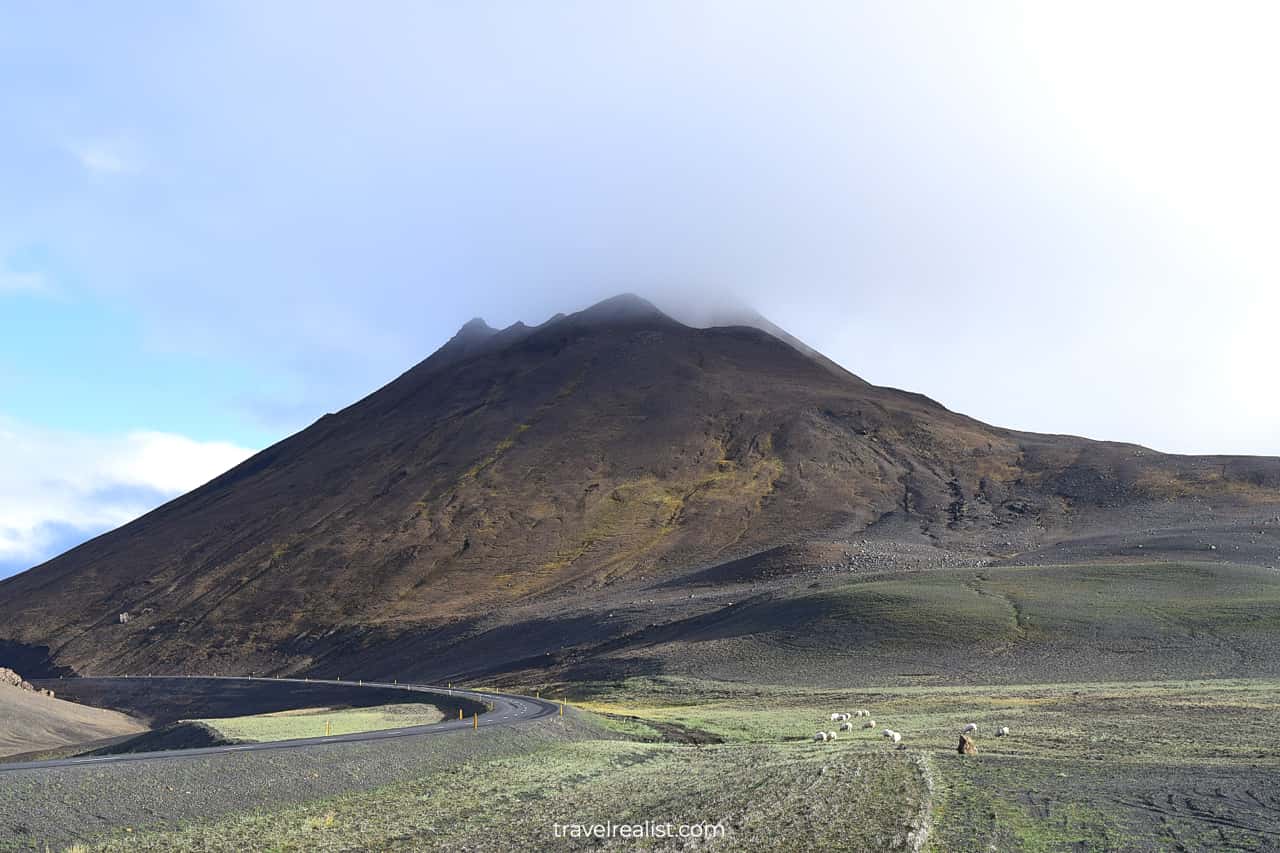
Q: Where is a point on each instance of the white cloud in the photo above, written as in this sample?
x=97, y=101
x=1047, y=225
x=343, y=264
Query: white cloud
x=56, y=483
x=103, y=157
x=22, y=282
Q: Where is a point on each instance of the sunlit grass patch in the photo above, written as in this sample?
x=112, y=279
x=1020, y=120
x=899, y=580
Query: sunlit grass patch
x=317, y=722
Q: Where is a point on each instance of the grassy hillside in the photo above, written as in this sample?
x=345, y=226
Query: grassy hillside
x=990, y=625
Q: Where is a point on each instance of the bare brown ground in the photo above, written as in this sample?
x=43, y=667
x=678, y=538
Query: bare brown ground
x=33, y=721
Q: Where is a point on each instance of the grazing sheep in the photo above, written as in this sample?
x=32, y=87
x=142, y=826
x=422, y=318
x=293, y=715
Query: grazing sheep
x=831, y=735
x=869, y=724
x=835, y=717
x=846, y=727
x=972, y=727
x=887, y=733
x=844, y=716
x=895, y=737
x=1002, y=731
x=862, y=712
x=821, y=737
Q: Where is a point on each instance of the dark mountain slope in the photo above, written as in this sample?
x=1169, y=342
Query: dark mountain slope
x=542, y=464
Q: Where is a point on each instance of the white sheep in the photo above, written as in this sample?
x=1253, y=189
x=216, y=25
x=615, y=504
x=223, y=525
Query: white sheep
x=864, y=713
x=869, y=724
x=972, y=727
x=846, y=727
x=1002, y=731
x=895, y=737
x=887, y=733
x=831, y=735
x=820, y=737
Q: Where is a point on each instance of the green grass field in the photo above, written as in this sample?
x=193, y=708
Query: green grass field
x=1149, y=766
x=794, y=794
x=316, y=722
x=1116, y=766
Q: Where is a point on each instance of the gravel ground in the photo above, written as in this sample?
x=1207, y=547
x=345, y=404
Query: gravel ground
x=58, y=806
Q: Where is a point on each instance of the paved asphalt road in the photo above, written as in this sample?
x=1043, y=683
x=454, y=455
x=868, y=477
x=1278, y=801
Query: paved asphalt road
x=505, y=710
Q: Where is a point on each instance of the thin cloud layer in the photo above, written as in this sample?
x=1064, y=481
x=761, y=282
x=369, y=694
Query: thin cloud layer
x=102, y=156
x=1052, y=217
x=22, y=282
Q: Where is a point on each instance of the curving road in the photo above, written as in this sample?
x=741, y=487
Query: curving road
x=504, y=710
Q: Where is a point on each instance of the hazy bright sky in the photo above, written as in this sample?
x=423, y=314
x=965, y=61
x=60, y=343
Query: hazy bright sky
x=219, y=221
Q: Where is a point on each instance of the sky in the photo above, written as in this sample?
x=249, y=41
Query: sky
x=220, y=221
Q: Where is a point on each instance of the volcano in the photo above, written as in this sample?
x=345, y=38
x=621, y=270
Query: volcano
x=547, y=497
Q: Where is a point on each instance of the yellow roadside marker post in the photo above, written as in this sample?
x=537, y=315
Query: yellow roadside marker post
x=475, y=721
x=562, y=709
x=459, y=713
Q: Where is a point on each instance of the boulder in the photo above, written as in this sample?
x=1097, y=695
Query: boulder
x=11, y=679
x=967, y=746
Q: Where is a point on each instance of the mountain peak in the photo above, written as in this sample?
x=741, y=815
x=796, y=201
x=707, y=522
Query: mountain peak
x=624, y=308
x=476, y=327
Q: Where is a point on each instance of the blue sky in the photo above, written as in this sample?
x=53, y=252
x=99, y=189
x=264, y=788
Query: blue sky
x=219, y=221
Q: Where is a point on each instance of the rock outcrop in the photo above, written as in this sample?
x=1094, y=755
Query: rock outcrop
x=9, y=678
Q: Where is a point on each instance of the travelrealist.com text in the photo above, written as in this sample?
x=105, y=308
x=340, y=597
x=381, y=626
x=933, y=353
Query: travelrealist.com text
x=645, y=829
